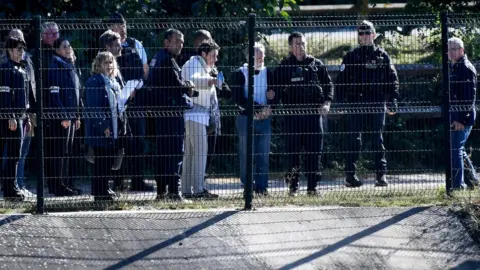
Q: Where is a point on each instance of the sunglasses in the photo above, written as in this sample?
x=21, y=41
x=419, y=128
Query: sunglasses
x=364, y=33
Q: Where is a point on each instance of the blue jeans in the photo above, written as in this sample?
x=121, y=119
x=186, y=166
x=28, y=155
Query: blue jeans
x=261, y=148
x=459, y=138
x=24, y=148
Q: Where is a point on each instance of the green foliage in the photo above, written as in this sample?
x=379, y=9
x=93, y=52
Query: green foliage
x=435, y=6
x=144, y=8
x=224, y=8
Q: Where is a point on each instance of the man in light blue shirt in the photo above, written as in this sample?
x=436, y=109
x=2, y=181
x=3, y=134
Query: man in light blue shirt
x=132, y=61
x=129, y=44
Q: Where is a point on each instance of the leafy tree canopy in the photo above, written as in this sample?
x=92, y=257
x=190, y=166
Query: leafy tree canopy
x=143, y=8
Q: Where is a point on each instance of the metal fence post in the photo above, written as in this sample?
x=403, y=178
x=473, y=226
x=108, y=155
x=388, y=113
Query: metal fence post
x=251, y=72
x=39, y=110
x=446, y=102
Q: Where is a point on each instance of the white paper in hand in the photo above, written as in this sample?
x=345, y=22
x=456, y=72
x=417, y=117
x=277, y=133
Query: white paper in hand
x=123, y=96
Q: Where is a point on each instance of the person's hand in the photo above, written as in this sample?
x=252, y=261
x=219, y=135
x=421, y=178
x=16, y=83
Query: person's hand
x=270, y=94
x=77, y=124
x=65, y=123
x=191, y=88
x=132, y=95
x=74, y=57
x=458, y=126
x=28, y=126
x=393, y=108
x=263, y=114
x=391, y=112
x=12, y=124
x=212, y=81
x=33, y=119
x=107, y=132
x=325, y=108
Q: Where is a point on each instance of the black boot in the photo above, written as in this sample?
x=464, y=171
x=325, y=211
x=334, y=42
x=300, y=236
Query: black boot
x=139, y=185
x=353, y=181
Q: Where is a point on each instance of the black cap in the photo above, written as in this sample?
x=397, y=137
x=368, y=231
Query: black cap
x=366, y=26
x=116, y=18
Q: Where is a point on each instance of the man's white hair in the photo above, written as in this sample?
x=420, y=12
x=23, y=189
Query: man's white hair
x=259, y=46
x=456, y=41
x=47, y=25
x=256, y=46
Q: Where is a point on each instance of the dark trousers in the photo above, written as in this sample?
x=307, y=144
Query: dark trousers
x=102, y=170
x=368, y=126
x=136, y=151
x=58, y=148
x=305, y=131
x=11, y=141
x=169, y=139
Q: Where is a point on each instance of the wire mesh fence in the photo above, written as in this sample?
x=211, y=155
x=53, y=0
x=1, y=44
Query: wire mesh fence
x=217, y=111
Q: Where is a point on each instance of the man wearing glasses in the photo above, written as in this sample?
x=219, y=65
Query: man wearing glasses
x=463, y=81
x=368, y=85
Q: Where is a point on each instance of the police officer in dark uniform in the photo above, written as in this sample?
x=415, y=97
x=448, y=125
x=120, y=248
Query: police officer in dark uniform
x=303, y=86
x=63, y=103
x=129, y=46
x=133, y=64
x=168, y=98
x=367, y=84
x=132, y=72
x=14, y=103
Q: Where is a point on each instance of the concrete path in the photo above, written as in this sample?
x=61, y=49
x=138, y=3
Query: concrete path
x=281, y=238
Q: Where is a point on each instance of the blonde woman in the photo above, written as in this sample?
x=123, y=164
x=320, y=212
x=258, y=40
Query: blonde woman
x=103, y=128
x=198, y=70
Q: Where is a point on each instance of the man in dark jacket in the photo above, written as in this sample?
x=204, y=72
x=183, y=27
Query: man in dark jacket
x=303, y=86
x=50, y=33
x=14, y=103
x=168, y=98
x=367, y=82
x=463, y=88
